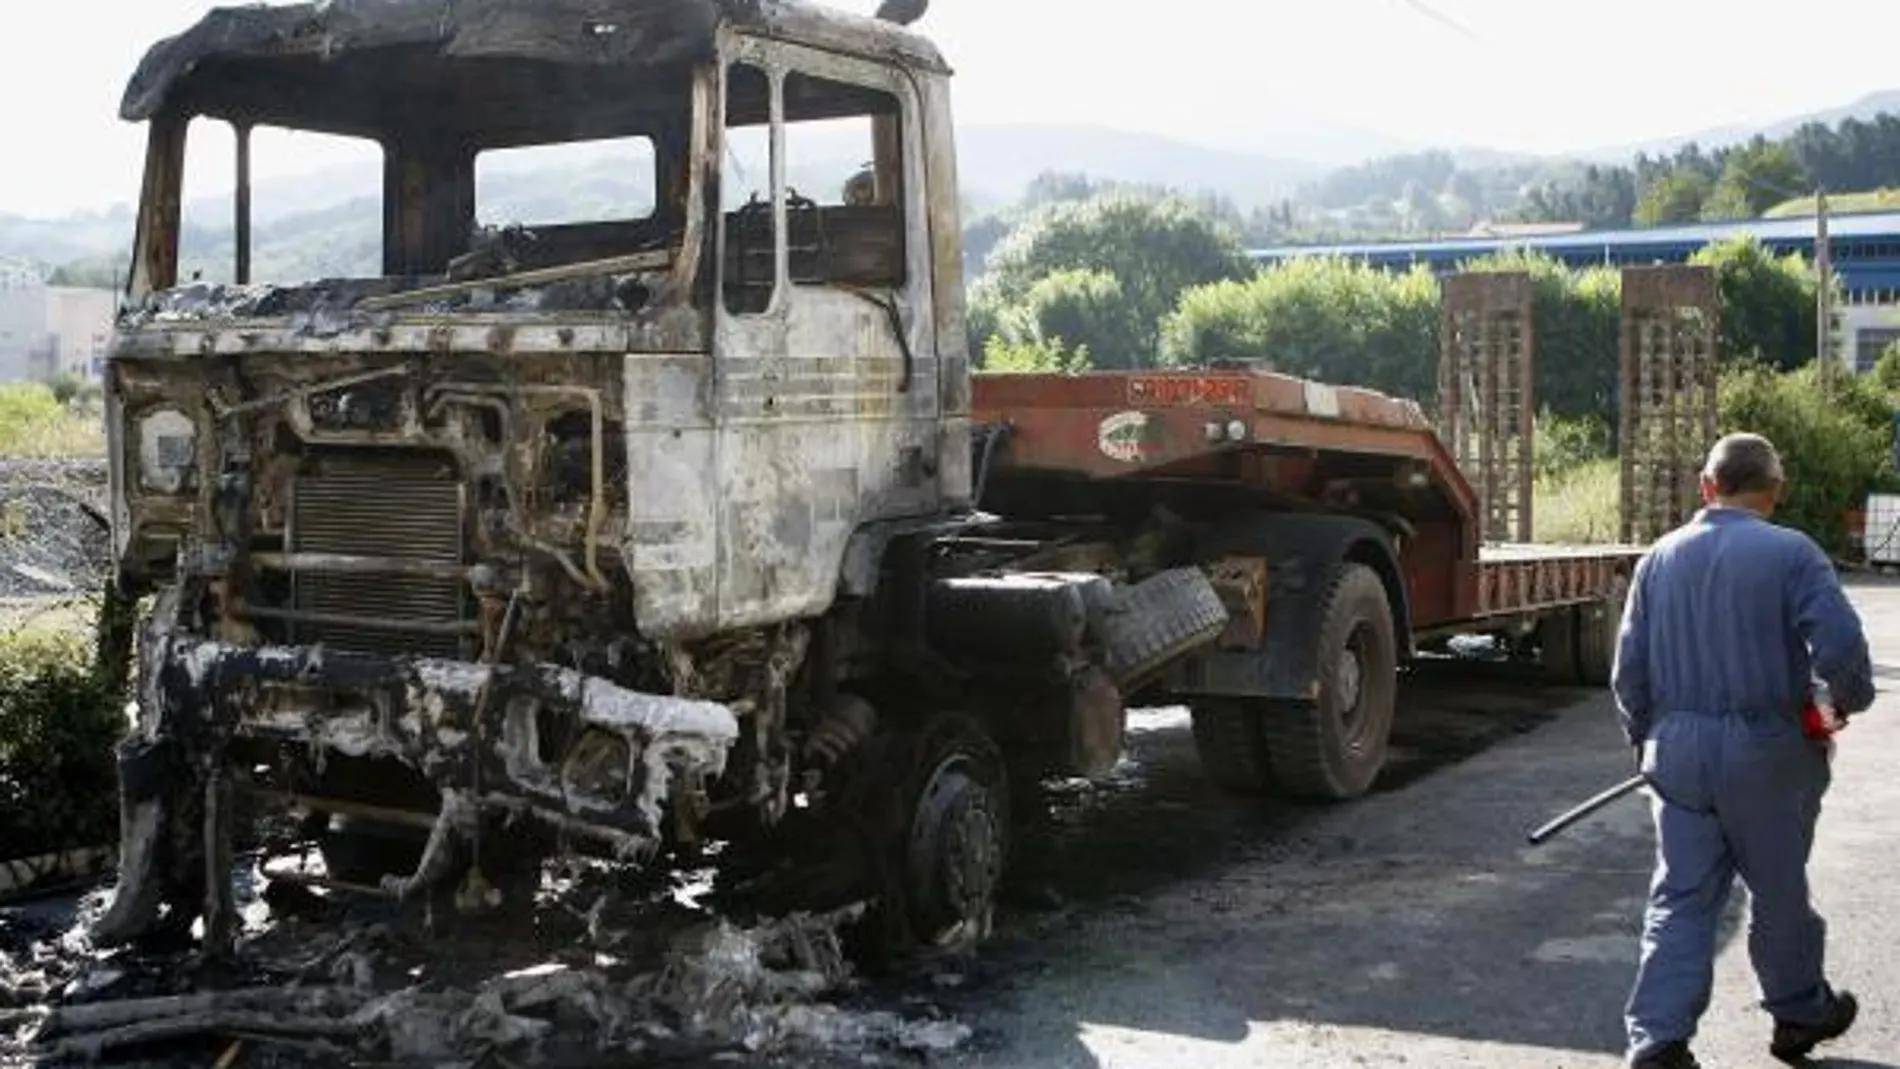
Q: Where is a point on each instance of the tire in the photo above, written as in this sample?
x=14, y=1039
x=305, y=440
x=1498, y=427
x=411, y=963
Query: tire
x=1158, y=619
x=1232, y=746
x=1597, y=626
x=363, y=852
x=1557, y=646
x=956, y=840
x=1332, y=748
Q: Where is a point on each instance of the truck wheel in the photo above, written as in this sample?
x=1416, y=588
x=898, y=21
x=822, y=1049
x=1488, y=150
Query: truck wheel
x=1331, y=748
x=957, y=833
x=1597, y=626
x=1233, y=749
x=362, y=852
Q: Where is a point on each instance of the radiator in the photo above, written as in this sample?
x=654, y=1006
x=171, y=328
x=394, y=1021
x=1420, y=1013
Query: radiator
x=404, y=508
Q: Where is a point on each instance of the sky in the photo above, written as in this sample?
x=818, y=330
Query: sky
x=1262, y=76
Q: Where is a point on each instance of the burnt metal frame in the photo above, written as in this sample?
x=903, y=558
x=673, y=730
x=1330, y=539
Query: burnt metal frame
x=1487, y=393
x=1668, y=339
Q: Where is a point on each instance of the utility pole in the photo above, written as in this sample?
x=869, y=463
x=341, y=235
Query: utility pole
x=1823, y=290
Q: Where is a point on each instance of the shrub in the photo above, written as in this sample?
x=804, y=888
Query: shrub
x=1562, y=443
x=58, y=727
x=34, y=423
x=1035, y=355
x=1834, y=446
x=1323, y=318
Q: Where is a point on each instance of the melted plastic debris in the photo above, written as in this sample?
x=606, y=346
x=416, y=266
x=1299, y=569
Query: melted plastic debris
x=605, y=969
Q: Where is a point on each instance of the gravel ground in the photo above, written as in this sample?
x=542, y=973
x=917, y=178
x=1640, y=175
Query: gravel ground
x=52, y=537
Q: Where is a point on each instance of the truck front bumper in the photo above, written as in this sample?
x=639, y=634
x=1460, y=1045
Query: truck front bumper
x=574, y=751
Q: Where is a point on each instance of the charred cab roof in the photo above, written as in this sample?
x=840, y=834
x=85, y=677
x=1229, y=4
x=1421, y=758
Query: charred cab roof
x=379, y=67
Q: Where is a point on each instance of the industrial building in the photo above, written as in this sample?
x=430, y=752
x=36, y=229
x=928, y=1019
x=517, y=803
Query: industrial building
x=1863, y=248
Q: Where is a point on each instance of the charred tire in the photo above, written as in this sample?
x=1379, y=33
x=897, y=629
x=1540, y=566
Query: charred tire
x=1597, y=626
x=956, y=833
x=364, y=851
x=1332, y=748
x=1232, y=746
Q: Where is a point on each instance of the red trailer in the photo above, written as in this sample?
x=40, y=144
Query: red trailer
x=1335, y=525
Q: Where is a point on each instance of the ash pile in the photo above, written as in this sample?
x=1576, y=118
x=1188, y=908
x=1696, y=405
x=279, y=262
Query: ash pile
x=54, y=536
x=604, y=972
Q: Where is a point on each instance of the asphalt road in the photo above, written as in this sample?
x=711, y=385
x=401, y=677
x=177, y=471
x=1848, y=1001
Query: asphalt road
x=1160, y=924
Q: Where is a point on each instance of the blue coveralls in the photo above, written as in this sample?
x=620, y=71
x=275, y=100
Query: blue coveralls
x=1728, y=619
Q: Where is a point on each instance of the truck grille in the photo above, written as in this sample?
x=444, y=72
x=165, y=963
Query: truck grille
x=407, y=509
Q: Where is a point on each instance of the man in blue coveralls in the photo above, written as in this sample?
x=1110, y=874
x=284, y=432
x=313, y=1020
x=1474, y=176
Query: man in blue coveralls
x=1729, y=620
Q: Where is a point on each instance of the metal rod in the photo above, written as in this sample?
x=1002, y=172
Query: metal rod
x=241, y=225
x=304, y=879
x=343, y=806
x=1594, y=803
x=455, y=628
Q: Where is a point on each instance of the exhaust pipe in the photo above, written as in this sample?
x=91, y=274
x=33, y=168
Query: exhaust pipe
x=902, y=12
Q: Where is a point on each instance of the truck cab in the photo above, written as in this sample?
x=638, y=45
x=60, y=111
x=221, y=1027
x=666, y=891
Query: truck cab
x=551, y=532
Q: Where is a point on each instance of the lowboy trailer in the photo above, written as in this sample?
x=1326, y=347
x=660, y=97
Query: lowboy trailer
x=1337, y=529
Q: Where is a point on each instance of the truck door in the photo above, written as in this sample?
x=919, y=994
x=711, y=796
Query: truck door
x=825, y=396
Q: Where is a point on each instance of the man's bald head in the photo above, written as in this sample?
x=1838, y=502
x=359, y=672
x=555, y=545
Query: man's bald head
x=1743, y=468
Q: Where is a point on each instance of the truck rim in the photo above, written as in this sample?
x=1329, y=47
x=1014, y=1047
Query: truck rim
x=956, y=850
x=1349, y=676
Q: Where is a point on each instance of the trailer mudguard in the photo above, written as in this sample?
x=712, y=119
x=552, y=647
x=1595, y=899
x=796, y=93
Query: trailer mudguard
x=1302, y=552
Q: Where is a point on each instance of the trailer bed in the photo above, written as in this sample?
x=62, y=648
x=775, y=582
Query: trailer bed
x=1294, y=442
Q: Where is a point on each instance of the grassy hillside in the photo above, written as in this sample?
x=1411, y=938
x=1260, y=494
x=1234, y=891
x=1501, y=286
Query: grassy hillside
x=1880, y=200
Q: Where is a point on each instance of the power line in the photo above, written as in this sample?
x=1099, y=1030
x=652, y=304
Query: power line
x=1443, y=19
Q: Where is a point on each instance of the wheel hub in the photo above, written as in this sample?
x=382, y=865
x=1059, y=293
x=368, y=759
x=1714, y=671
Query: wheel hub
x=955, y=855
x=1350, y=674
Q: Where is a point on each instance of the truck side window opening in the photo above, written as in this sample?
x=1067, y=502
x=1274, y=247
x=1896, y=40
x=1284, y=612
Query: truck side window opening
x=746, y=192
x=845, y=202
x=344, y=239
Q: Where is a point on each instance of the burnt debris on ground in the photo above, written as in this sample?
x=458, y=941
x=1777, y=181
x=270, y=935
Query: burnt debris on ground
x=605, y=967
x=54, y=538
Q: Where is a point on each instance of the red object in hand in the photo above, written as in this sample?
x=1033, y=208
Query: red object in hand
x=1813, y=724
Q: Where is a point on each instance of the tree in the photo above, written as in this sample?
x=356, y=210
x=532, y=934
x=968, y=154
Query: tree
x=1755, y=177
x=1086, y=309
x=1323, y=318
x=1675, y=196
x=1767, y=302
x=1833, y=441
x=1155, y=248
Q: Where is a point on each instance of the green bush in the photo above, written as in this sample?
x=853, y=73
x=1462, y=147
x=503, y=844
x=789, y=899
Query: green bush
x=1323, y=318
x=1035, y=355
x=1834, y=445
x=1563, y=443
x=1767, y=302
x=58, y=728
x=34, y=423
x=1152, y=249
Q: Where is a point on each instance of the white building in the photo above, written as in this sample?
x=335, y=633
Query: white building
x=47, y=331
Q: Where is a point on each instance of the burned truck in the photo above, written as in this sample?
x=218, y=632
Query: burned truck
x=689, y=532
x=608, y=536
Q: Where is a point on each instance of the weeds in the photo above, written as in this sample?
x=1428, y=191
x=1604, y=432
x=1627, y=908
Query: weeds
x=35, y=423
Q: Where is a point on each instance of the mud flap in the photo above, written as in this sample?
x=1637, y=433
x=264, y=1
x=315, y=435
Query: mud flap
x=144, y=767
